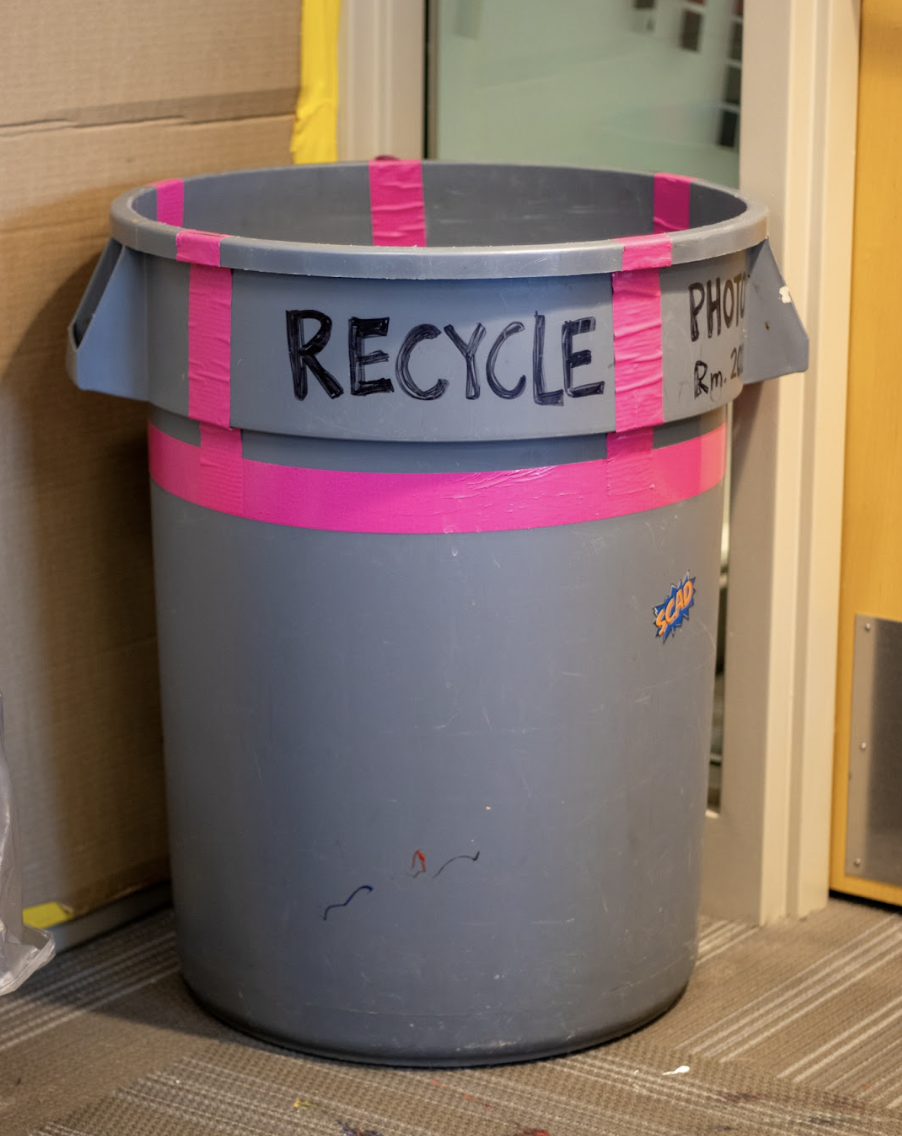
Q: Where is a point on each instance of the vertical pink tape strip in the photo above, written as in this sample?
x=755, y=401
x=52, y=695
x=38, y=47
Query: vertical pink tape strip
x=171, y=201
x=671, y=207
x=396, y=203
x=209, y=328
x=221, y=469
x=198, y=248
x=638, y=354
x=209, y=344
x=646, y=252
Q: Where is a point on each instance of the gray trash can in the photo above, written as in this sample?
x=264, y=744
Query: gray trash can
x=436, y=457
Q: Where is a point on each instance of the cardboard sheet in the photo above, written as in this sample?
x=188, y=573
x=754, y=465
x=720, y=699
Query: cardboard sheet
x=95, y=98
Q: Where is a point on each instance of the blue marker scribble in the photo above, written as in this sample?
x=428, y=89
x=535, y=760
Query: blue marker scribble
x=332, y=906
x=463, y=856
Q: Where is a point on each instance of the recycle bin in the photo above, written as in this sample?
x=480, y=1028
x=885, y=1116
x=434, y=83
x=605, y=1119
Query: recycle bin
x=436, y=459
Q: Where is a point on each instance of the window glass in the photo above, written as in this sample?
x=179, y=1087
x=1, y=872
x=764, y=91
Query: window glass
x=633, y=84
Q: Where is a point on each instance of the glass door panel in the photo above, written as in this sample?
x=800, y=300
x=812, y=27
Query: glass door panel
x=634, y=84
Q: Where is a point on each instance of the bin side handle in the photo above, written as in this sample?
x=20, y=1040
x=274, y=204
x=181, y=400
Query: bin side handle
x=107, y=340
x=777, y=342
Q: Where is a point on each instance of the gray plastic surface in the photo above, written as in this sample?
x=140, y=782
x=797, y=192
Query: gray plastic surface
x=107, y=341
x=435, y=799
x=723, y=315
x=777, y=341
x=482, y=221
x=335, y=704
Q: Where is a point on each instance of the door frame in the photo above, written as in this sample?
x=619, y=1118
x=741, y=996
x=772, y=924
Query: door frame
x=766, y=851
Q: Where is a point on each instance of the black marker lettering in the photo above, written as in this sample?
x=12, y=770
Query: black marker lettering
x=696, y=302
x=701, y=369
x=741, y=280
x=303, y=353
x=539, y=394
x=573, y=359
x=713, y=306
x=728, y=294
x=402, y=363
x=490, y=376
x=468, y=350
x=358, y=331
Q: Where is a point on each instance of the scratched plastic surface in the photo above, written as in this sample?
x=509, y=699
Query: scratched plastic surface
x=436, y=799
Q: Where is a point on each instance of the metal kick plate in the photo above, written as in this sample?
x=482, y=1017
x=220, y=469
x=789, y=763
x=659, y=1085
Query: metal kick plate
x=874, y=815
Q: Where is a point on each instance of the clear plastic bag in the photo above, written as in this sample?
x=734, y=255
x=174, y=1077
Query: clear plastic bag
x=22, y=949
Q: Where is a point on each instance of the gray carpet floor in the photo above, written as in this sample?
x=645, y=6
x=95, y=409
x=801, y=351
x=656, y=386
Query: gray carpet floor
x=795, y=1028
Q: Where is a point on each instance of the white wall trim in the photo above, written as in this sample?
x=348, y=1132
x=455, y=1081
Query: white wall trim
x=767, y=851
x=381, y=105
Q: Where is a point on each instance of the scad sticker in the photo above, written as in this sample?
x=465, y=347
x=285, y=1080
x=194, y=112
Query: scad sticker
x=670, y=614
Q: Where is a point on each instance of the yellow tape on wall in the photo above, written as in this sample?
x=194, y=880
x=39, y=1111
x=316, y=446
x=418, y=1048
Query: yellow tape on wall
x=315, y=121
x=45, y=915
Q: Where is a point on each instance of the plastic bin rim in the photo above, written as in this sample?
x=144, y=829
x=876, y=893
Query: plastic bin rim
x=482, y=262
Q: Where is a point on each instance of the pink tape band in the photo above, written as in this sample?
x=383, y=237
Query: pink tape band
x=396, y=203
x=671, y=202
x=171, y=201
x=343, y=501
x=630, y=461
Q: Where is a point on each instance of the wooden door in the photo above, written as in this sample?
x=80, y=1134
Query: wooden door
x=868, y=755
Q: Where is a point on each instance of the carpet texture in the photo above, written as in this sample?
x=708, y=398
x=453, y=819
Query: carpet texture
x=795, y=1028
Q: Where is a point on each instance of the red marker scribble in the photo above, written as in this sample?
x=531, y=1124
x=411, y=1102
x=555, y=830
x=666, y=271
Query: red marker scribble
x=418, y=859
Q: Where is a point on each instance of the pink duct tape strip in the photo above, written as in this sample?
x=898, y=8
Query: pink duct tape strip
x=344, y=501
x=221, y=475
x=671, y=202
x=646, y=252
x=396, y=203
x=638, y=353
x=171, y=201
x=198, y=247
x=630, y=462
x=209, y=328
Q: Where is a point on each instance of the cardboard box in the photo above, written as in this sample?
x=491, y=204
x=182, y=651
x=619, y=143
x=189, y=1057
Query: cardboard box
x=96, y=98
